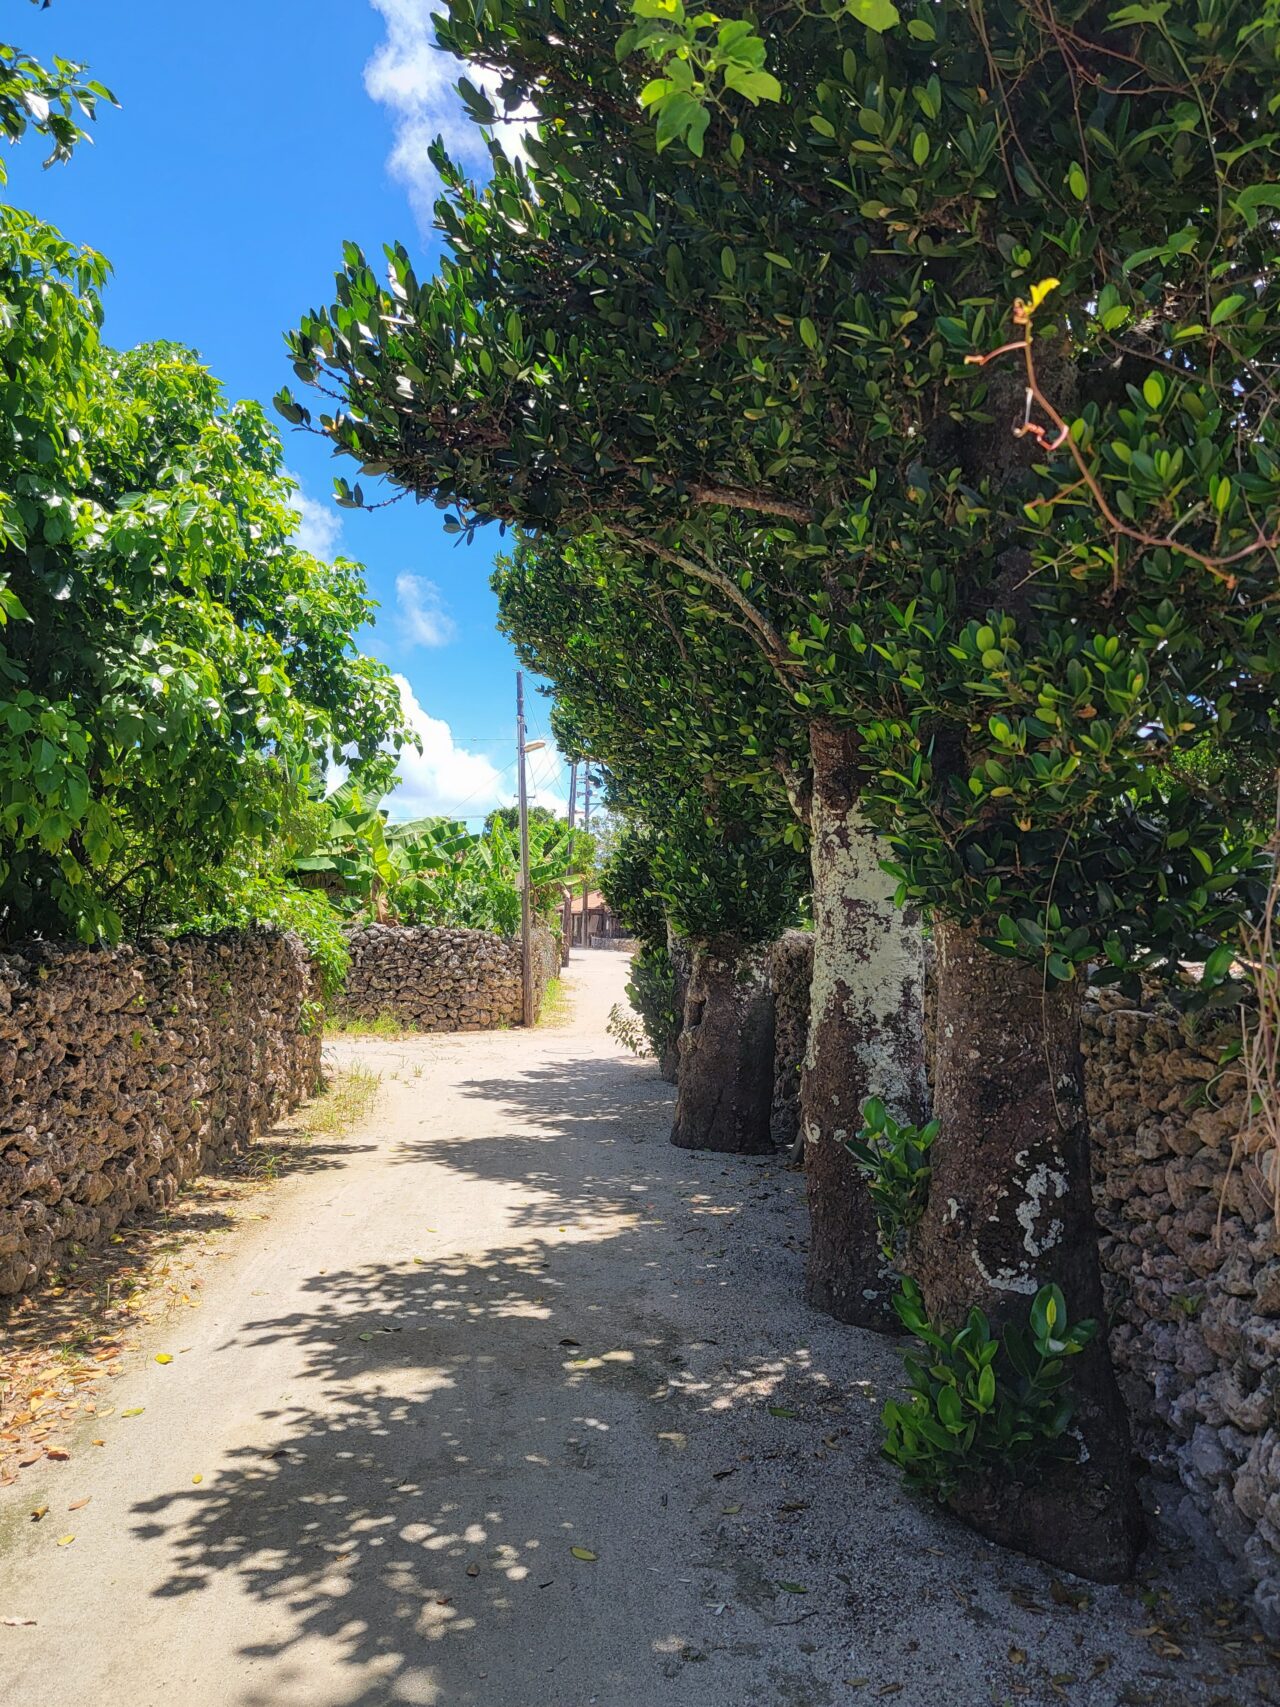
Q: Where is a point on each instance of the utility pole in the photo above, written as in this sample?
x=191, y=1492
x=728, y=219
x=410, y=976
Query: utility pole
x=586, y=824
x=566, y=917
x=526, y=939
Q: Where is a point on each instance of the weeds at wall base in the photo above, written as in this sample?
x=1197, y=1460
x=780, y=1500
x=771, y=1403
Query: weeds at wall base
x=384, y=1025
x=557, y=1006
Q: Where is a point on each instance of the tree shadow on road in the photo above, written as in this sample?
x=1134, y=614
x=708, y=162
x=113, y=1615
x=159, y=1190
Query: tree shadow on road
x=402, y=1524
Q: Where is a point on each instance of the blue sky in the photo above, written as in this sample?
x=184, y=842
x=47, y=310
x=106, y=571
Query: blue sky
x=254, y=137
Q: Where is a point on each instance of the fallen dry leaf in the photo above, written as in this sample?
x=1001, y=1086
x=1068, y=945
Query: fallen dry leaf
x=65, y=1540
x=79, y=1505
x=163, y=1357
x=39, y=1512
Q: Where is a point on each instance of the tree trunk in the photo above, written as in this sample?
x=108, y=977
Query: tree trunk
x=866, y=1033
x=1010, y=1209
x=680, y=955
x=725, y=1084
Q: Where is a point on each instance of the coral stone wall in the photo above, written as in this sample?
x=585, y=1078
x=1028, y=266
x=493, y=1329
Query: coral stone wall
x=123, y=1069
x=791, y=972
x=1195, y=1314
x=437, y=978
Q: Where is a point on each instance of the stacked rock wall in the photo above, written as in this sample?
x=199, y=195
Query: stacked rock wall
x=1194, y=1305
x=123, y=1069
x=437, y=978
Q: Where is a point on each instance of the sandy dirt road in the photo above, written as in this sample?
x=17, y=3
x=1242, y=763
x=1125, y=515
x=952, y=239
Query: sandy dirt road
x=503, y=1321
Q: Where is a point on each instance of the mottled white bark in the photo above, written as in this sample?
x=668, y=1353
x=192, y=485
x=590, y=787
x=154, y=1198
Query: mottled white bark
x=868, y=972
x=866, y=1030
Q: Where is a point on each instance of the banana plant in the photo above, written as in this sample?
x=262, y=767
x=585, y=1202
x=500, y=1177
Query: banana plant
x=356, y=847
x=433, y=871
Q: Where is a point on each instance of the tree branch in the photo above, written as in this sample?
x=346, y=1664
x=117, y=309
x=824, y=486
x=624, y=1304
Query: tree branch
x=767, y=638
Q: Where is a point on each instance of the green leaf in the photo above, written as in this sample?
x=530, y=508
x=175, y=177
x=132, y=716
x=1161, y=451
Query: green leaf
x=1256, y=196
x=1077, y=183
x=756, y=86
x=809, y=333
x=1224, y=309
x=1218, y=963
x=878, y=15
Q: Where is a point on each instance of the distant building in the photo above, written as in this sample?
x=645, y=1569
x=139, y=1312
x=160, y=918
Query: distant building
x=603, y=928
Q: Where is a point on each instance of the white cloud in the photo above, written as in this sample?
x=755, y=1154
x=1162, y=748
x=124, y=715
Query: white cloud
x=422, y=618
x=319, y=526
x=443, y=779
x=409, y=74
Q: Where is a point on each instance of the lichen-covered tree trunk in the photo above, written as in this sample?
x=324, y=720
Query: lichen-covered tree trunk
x=1010, y=1209
x=725, y=1080
x=866, y=1032
x=680, y=955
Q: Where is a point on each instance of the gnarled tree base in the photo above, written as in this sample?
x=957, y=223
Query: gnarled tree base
x=1010, y=1209
x=1065, y=1514
x=725, y=1078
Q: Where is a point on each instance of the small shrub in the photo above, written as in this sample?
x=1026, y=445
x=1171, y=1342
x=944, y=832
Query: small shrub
x=893, y=1158
x=980, y=1402
x=626, y=1027
x=651, y=990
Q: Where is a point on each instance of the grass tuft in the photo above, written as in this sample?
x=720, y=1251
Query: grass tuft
x=557, y=1005
x=346, y=1100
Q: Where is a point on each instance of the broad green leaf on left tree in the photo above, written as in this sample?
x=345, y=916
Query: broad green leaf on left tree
x=175, y=673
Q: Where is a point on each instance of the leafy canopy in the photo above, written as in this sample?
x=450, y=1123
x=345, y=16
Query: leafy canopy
x=737, y=354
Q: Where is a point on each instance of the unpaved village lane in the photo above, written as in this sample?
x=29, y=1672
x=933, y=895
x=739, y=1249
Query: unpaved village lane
x=510, y=1404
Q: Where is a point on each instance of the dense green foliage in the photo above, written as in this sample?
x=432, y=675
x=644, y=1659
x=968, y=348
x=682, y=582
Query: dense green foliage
x=174, y=671
x=645, y=682
x=722, y=877
x=650, y=1024
x=627, y=884
x=747, y=370
x=977, y=1401
x=432, y=871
